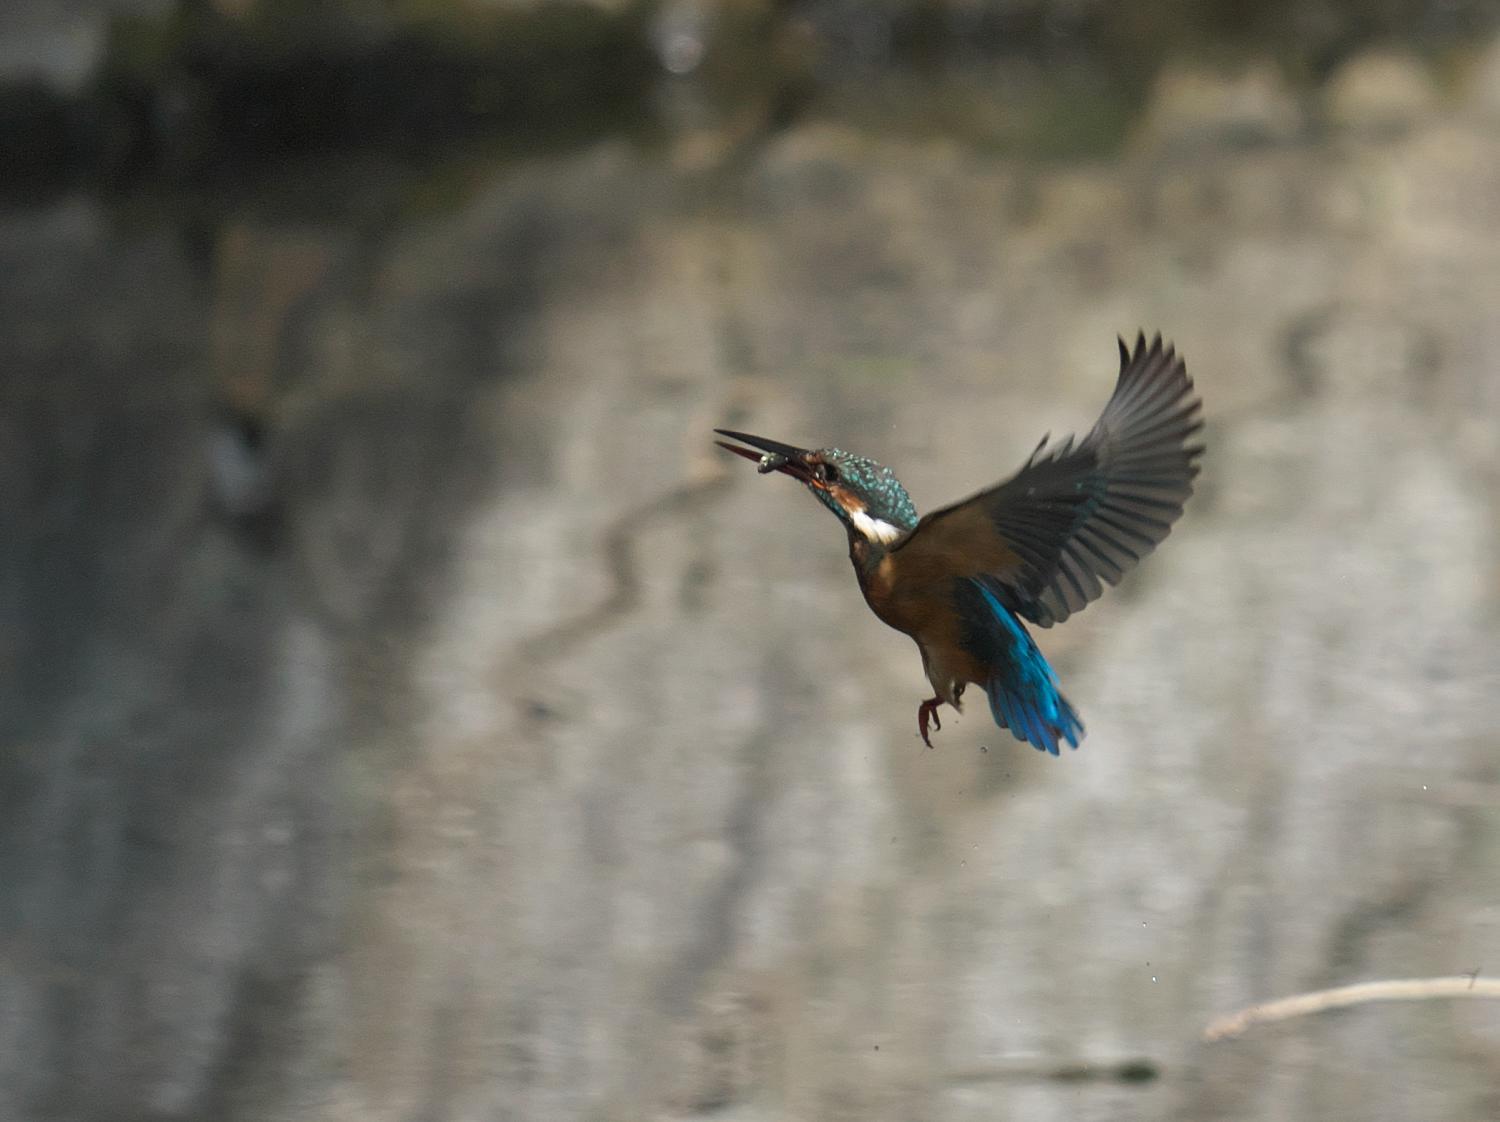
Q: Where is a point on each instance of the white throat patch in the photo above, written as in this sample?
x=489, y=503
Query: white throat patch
x=875, y=529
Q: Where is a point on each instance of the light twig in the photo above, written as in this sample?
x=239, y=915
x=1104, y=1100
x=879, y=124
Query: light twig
x=1406, y=989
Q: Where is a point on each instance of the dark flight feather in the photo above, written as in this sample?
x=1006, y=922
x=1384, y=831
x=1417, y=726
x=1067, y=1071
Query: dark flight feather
x=1079, y=514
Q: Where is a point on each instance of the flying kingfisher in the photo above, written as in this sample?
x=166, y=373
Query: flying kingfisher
x=960, y=580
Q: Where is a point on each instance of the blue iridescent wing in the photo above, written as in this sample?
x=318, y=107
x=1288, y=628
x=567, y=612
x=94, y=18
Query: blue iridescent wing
x=1022, y=688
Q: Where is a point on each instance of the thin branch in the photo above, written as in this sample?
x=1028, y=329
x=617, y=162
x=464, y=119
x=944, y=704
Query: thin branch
x=1408, y=989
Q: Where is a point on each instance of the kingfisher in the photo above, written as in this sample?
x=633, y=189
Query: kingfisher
x=964, y=580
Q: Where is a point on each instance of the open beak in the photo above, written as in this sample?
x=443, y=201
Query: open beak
x=773, y=455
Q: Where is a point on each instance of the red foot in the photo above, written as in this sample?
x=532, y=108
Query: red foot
x=928, y=711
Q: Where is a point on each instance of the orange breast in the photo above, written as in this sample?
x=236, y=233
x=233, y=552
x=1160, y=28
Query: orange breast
x=918, y=599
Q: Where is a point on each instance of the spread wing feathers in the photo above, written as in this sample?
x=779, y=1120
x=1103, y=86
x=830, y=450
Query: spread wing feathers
x=1082, y=512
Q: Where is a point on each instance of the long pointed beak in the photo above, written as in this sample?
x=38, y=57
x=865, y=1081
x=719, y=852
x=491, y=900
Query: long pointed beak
x=773, y=455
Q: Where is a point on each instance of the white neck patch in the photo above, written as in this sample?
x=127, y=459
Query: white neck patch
x=874, y=529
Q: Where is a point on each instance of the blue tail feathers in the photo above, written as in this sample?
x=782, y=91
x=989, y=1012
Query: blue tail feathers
x=1023, y=688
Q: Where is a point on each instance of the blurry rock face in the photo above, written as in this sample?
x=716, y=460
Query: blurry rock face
x=1190, y=106
x=60, y=42
x=1380, y=93
x=547, y=764
x=1485, y=84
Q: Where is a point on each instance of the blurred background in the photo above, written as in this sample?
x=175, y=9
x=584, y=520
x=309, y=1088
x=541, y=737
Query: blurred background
x=407, y=714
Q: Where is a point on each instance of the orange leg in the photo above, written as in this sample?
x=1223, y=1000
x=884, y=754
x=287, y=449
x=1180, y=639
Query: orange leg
x=927, y=711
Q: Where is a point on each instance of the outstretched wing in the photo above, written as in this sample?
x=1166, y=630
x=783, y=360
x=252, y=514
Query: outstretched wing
x=1078, y=512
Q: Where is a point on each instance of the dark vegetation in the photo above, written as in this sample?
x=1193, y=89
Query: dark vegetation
x=198, y=97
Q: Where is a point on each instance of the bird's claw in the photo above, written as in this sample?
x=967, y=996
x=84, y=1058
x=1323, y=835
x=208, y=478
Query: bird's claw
x=928, y=711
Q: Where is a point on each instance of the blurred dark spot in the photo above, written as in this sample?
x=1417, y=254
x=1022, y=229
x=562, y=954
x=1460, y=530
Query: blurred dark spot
x=1137, y=1071
x=241, y=482
x=1130, y=1071
x=538, y=710
x=39, y=137
x=696, y=580
x=1296, y=349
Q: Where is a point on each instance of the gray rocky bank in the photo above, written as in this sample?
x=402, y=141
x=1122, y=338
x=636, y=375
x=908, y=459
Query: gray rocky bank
x=534, y=762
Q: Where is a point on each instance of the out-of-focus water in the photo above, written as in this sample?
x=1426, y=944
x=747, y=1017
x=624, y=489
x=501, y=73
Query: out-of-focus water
x=407, y=713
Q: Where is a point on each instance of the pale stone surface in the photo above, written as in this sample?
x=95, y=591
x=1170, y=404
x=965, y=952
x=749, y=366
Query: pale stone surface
x=547, y=764
x=1380, y=93
x=1191, y=105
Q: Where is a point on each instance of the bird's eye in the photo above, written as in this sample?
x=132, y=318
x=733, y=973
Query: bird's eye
x=830, y=473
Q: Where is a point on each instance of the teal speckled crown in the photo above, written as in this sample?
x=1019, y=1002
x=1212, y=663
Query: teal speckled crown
x=875, y=483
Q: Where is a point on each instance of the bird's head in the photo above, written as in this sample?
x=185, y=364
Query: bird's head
x=867, y=497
